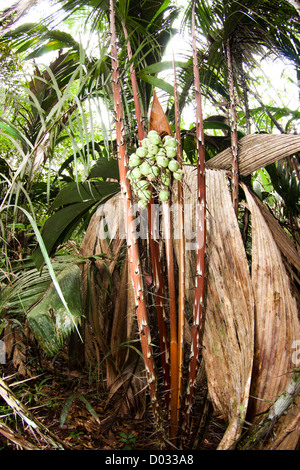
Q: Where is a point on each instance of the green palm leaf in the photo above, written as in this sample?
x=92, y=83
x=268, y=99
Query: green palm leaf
x=72, y=204
x=49, y=320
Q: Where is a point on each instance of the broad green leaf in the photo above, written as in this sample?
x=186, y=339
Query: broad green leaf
x=84, y=192
x=51, y=46
x=25, y=28
x=31, y=42
x=58, y=225
x=162, y=66
x=73, y=203
x=157, y=82
x=104, y=168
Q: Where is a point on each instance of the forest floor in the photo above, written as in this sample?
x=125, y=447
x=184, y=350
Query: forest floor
x=75, y=409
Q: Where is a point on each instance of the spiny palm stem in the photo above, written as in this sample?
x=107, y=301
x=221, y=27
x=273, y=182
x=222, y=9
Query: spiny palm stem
x=160, y=309
x=181, y=251
x=133, y=251
x=234, y=134
x=201, y=236
x=166, y=213
x=154, y=246
x=135, y=90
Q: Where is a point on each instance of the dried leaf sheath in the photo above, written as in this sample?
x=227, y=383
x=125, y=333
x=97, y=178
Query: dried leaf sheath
x=133, y=251
x=201, y=229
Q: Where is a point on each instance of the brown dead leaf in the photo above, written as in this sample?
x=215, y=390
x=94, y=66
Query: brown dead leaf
x=276, y=321
x=228, y=336
x=158, y=120
x=257, y=151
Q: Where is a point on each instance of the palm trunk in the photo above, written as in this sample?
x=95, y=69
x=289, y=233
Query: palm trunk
x=234, y=135
x=181, y=251
x=154, y=247
x=135, y=90
x=160, y=310
x=132, y=242
x=201, y=234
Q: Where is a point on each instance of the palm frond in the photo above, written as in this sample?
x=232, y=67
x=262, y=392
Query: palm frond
x=257, y=151
x=49, y=320
x=228, y=336
x=276, y=319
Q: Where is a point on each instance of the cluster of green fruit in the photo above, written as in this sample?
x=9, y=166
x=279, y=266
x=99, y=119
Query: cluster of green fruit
x=151, y=166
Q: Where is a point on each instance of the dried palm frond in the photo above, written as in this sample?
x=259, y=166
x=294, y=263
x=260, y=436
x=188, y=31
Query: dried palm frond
x=257, y=151
x=277, y=326
x=228, y=336
x=281, y=238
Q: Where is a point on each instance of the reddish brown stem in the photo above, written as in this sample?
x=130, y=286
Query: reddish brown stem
x=201, y=233
x=160, y=307
x=181, y=250
x=135, y=90
x=234, y=134
x=166, y=212
x=154, y=247
x=132, y=243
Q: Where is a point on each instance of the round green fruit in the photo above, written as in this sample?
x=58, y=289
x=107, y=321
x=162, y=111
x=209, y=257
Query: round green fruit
x=164, y=195
x=171, y=151
x=145, y=168
x=171, y=142
x=141, y=152
x=162, y=161
x=152, y=149
x=166, y=139
x=152, y=133
x=145, y=142
x=142, y=184
x=178, y=175
x=173, y=165
x=154, y=139
x=136, y=173
x=154, y=171
x=161, y=152
x=144, y=195
x=165, y=179
x=134, y=160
